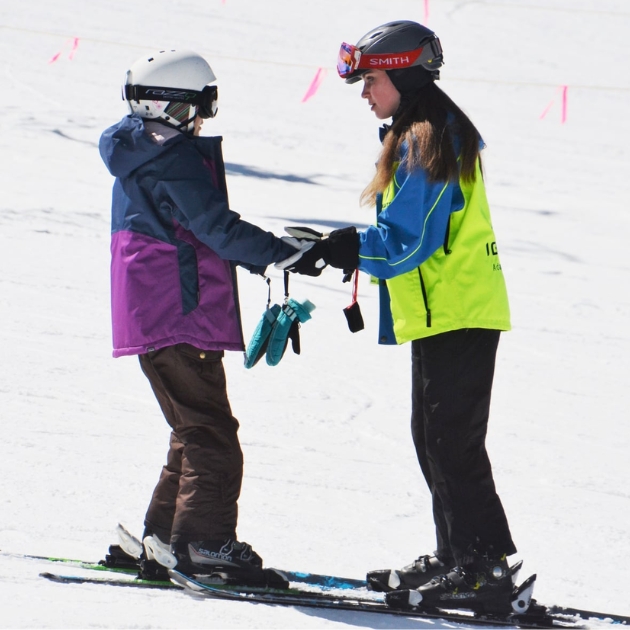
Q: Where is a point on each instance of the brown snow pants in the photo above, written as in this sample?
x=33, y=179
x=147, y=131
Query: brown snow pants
x=197, y=492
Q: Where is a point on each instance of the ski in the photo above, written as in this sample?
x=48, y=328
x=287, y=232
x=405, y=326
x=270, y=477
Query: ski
x=301, y=577
x=560, y=611
x=160, y=584
x=131, y=582
x=165, y=584
x=325, y=582
x=368, y=602
x=346, y=599
x=79, y=564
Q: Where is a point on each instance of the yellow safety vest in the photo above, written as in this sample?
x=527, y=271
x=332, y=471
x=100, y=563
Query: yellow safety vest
x=461, y=285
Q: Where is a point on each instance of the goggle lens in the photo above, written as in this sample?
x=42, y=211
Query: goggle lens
x=208, y=102
x=347, y=60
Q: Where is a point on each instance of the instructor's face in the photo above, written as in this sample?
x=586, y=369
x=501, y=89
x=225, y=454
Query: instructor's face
x=382, y=97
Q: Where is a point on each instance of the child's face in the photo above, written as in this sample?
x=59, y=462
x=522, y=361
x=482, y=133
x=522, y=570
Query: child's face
x=197, y=127
x=380, y=93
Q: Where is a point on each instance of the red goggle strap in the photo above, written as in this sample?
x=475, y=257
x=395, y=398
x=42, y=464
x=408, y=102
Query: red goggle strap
x=351, y=58
x=388, y=61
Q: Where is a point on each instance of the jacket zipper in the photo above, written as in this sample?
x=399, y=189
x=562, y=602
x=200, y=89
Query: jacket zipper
x=424, y=297
x=447, y=251
x=447, y=236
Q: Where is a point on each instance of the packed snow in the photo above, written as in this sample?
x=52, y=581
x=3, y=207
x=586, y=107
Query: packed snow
x=331, y=480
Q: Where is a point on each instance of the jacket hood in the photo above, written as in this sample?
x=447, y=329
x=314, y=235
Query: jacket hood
x=131, y=143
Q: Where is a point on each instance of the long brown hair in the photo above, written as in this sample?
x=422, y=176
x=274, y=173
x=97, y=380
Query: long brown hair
x=428, y=123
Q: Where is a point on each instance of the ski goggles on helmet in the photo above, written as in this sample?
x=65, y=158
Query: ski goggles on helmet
x=351, y=59
x=206, y=100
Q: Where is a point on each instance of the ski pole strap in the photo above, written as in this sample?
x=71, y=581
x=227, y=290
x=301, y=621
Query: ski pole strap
x=353, y=312
x=268, y=281
x=286, y=286
x=355, y=286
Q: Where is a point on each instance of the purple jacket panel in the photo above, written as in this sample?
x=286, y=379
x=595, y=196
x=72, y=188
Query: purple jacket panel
x=147, y=301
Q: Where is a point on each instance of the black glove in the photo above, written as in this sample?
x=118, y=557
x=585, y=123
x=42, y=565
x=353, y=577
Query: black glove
x=338, y=249
x=308, y=260
x=343, y=248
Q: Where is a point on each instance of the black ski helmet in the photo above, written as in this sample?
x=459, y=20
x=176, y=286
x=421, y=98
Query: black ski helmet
x=403, y=36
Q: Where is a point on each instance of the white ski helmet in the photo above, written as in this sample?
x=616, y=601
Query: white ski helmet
x=174, y=85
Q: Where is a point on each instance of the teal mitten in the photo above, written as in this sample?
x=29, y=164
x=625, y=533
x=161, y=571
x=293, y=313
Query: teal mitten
x=260, y=339
x=287, y=326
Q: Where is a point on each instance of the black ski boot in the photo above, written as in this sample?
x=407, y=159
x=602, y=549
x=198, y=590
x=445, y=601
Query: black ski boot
x=419, y=572
x=230, y=560
x=485, y=586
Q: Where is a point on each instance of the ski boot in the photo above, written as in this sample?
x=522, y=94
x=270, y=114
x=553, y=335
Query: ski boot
x=485, y=587
x=228, y=560
x=419, y=572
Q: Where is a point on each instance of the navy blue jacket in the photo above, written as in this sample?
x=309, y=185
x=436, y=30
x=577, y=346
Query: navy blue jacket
x=175, y=240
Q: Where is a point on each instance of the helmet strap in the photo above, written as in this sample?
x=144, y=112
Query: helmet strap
x=183, y=126
x=177, y=124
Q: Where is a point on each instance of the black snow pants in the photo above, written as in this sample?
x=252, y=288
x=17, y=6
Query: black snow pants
x=452, y=376
x=197, y=492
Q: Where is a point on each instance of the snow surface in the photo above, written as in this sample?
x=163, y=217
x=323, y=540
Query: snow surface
x=331, y=482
